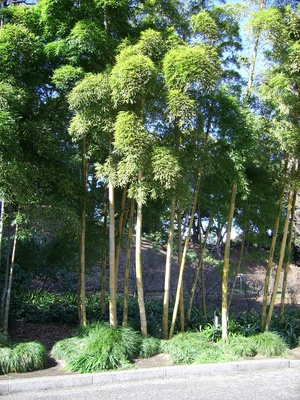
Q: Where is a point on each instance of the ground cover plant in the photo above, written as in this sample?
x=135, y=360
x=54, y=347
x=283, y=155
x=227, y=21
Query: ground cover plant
x=21, y=357
x=99, y=347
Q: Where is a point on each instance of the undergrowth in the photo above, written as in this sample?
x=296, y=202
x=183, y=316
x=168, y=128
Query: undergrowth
x=22, y=357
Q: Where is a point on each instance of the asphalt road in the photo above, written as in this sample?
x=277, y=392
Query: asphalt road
x=269, y=384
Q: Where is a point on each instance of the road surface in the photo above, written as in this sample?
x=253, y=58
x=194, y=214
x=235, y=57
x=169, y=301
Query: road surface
x=277, y=384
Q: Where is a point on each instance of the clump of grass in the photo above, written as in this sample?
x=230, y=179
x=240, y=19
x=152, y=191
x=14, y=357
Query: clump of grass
x=99, y=347
x=150, y=346
x=185, y=348
x=269, y=344
x=23, y=357
x=64, y=349
x=239, y=346
x=5, y=356
x=26, y=357
x=215, y=354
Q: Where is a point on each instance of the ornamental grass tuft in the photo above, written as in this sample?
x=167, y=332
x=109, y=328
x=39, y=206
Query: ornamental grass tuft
x=99, y=347
x=269, y=344
x=23, y=357
x=185, y=348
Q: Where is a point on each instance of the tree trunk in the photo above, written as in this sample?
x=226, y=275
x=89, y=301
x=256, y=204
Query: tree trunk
x=200, y=267
x=104, y=257
x=287, y=264
x=185, y=249
x=181, y=300
x=127, y=265
x=4, y=293
x=253, y=61
x=226, y=264
x=272, y=250
x=9, y=286
x=138, y=260
x=120, y=230
x=281, y=257
x=1, y=228
x=112, y=255
x=168, y=273
x=81, y=277
x=238, y=266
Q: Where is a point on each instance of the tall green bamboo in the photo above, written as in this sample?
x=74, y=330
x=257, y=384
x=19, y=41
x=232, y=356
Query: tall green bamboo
x=287, y=263
x=127, y=264
x=81, y=275
x=226, y=263
x=104, y=257
x=168, y=272
x=185, y=250
x=272, y=249
x=9, y=285
x=112, y=258
x=280, y=262
x=200, y=268
x=138, y=258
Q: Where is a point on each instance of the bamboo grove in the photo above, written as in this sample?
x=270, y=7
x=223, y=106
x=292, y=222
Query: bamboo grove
x=119, y=117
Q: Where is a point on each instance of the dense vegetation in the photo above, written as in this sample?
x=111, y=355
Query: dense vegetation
x=126, y=120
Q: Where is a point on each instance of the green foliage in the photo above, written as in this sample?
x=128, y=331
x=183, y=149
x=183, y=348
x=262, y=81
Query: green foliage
x=65, y=348
x=100, y=348
x=150, y=346
x=187, y=65
x=42, y=307
x=132, y=80
x=20, y=53
x=66, y=77
x=288, y=326
x=269, y=344
x=23, y=357
x=3, y=340
x=184, y=348
x=239, y=346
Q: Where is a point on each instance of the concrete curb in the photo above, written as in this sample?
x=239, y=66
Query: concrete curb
x=55, y=382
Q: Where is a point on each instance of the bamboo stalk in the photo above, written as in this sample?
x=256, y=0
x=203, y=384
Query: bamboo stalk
x=226, y=264
x=287, y=264
x=281, y=257
x=138, y=261
x=127, y=265
x=112, y=253
x=168, y=273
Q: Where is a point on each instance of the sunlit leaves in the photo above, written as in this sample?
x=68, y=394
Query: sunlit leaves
x=187, y=65
x=166, y=169
x=204, y=24
x=132, y=79
x=181, y=109
x=130, y=134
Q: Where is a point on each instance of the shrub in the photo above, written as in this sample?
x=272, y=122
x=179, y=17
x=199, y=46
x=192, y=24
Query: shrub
x=150, y=346
x=215, y=354
x=64, y=349
x=5, y=357
x=239, y=346
x=99, y=347
x=269, y=344
x=23, y=357
x=185, y=348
